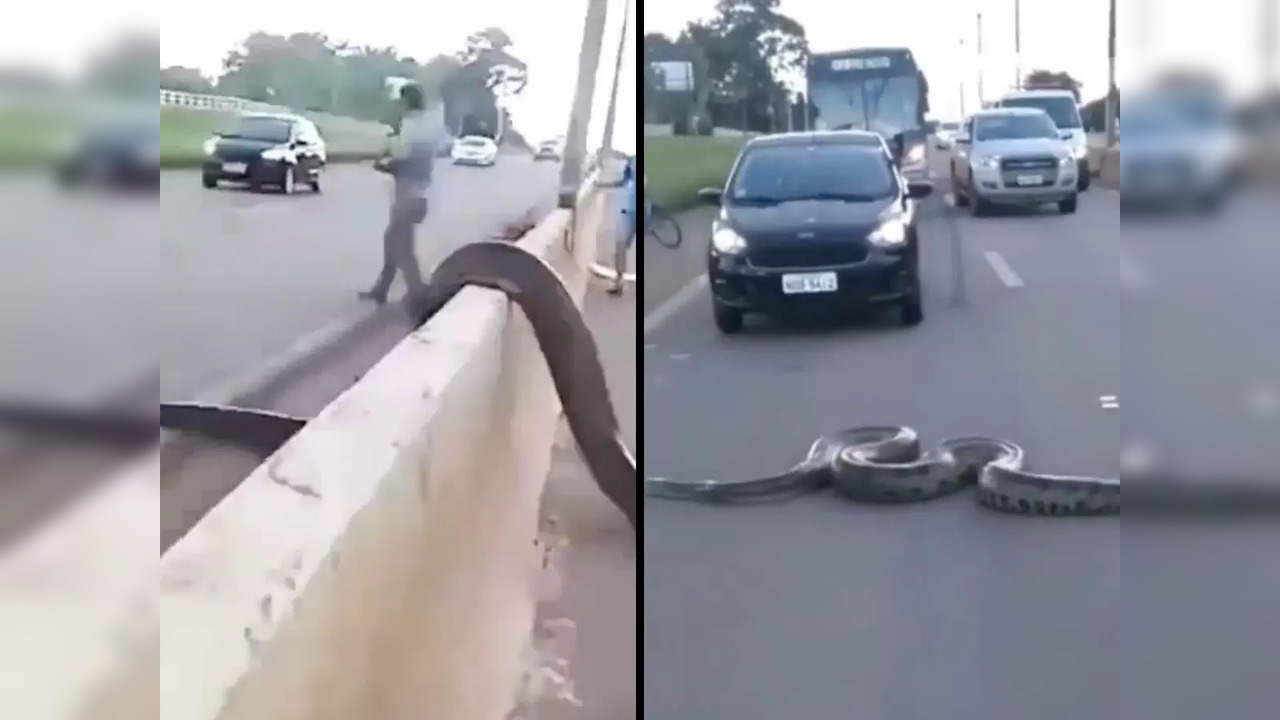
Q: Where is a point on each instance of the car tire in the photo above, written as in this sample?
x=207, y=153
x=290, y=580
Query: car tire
x=289, y=183
x=978, y=207
x=911, y=309
x=728, y=320
x=1069, y=206
x=1084, y=182
x=209, y=182
x=315, y=185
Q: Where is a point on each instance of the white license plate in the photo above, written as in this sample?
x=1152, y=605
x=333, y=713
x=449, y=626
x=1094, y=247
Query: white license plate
x=804, y=283
x=1030, y=180
x=234, y=167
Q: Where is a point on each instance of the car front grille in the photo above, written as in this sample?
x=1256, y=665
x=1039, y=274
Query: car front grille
x=1020, y=164
x=808, y=255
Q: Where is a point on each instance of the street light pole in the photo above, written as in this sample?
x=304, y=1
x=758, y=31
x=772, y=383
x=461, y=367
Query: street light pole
x=1270, y=60
x=575, y=152
x=611, y=113
x=1112, y=91
x=1017, y=44
x=982, y=98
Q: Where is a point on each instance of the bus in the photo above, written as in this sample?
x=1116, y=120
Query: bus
x=878, y=89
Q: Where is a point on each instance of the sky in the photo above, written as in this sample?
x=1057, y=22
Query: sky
x=548, y=42
x=1069, y=36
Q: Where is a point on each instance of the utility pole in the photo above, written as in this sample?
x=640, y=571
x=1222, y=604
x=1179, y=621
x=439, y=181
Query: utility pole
x=1112, y=91
x=961, y=88
x=611, y=113
x=1017, y=44
x=575, y=147
x=982, y=98
x=1269, y=56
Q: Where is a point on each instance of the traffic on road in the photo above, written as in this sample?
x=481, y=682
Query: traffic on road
x=1100, y=349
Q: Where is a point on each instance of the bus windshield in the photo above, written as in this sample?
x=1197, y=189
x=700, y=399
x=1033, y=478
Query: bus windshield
x=886, y=105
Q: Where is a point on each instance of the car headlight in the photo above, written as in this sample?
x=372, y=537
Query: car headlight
x=914, y=155
x=276, y=154
x=726, y=241
x=987, y=162
x=1066, y=162
x=892, y=234
x=210, y=146
x=1080, y=151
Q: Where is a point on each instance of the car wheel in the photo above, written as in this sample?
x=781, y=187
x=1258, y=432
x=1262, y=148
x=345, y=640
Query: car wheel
x=1069, y=206
x=978, y=207
x=209, y=182
x=1084, y=182
x=728, y=320
x=289, y=183
x=315, y=184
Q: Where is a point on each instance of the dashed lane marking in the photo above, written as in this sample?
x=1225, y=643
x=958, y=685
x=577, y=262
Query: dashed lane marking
x=1003, y=270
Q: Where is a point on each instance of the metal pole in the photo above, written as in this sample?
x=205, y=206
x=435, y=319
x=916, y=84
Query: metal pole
x=982, y=98
x=575, y=152
x=1112, y=91
x=1017, y=44
x=1270, y=61
x=611, y=113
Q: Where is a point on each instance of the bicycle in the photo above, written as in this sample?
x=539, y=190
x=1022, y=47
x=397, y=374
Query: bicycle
x=664, y=228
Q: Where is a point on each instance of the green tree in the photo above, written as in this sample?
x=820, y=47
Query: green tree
x=184, y=79
x=1053, y=79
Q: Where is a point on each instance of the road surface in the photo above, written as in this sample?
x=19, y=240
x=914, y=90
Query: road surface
x=208, y=285
x=940, y=611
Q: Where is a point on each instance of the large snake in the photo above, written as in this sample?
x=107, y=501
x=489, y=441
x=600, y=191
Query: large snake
x=866, y=464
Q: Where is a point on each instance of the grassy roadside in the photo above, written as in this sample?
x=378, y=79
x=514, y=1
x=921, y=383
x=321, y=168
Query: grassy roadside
x=33, y=137
x=677, y=167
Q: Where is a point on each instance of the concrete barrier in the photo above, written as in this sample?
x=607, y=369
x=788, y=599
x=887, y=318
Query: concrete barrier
x=383, y=564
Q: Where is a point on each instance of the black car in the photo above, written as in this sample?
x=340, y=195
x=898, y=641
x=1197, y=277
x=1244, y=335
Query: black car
x=119, y=153
x=814, y=221
x=261, y=150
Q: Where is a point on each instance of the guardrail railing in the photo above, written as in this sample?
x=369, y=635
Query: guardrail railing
x=215, y=103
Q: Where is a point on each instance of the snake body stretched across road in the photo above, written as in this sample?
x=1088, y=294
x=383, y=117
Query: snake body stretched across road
x=866, y=464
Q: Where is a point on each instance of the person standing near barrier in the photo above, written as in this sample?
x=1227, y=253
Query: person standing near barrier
x=626, y=227
x=410, y=162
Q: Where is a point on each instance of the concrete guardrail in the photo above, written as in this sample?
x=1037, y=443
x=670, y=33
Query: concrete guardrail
x=380, y=565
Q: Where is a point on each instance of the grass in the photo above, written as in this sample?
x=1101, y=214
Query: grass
x=33, y=137
x=676, y=168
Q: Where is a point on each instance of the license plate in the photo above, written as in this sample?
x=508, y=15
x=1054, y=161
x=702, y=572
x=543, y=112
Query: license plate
x=804, y=283
x=1030, y=180
x=234, y=167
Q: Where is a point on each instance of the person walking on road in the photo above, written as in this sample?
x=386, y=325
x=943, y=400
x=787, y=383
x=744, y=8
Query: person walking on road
x=410, y=162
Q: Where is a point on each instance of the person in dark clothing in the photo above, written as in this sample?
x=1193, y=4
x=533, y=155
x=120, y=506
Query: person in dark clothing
x=410, y=162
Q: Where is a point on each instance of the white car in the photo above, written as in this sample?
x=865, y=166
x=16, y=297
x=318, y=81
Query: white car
x=1062, y=108
x=1012, y=156
x=945, y=135
x=474, y=150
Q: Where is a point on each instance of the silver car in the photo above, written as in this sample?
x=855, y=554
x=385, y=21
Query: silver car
x=1175, y=158
x=1013, y=157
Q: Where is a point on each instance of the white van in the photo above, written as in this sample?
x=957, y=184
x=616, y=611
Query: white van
x=1062, y=108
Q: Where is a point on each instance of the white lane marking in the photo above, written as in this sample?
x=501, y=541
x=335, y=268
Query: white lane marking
x=674, y=304
x=1109, y=402
x=1002, y=269
x=679, y=357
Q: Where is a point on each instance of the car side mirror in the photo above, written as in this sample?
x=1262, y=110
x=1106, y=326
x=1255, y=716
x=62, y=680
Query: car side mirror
x=919, y=190
x=710, y=196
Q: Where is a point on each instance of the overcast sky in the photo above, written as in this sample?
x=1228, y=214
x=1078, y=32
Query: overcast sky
x=1072, y=37
x=58, y=34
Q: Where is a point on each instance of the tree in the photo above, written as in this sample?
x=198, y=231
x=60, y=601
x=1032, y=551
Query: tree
x=1051, y=79
x=184, y=79
x=740, y=54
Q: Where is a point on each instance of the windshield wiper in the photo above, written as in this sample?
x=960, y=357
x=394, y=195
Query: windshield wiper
x=755, y=200
x=845, y=197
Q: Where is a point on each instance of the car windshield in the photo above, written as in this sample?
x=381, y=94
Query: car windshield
x=1060, y=108
x=787, y=173
x=1021, y=126
x=473, y=142
x=267, y=129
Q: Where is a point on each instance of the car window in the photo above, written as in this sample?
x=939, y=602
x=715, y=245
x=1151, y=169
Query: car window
x=1014, y=127
x=1060, y=108
x=474, y=142
x=266, y=129
x=795, y=172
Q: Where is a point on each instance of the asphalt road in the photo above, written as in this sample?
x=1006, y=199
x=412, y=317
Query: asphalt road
x=209, y=285
x=940, y=611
